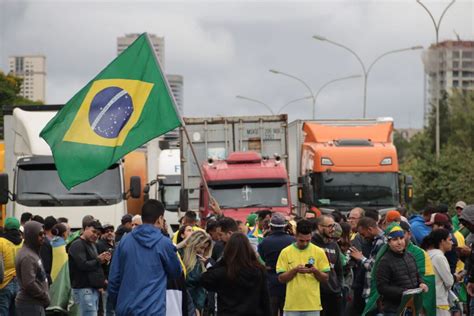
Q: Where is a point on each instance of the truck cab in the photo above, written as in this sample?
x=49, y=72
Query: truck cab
x=244, y=183
x=347, y=166
x=33, y=181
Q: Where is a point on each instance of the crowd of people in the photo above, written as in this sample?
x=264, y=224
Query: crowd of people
x=365, y=263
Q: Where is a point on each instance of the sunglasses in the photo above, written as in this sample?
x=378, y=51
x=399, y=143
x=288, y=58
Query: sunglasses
x=329, y=226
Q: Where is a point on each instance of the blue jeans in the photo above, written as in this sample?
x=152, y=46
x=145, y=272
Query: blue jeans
x=7, y=298
x=88, y=301
x=306, y=313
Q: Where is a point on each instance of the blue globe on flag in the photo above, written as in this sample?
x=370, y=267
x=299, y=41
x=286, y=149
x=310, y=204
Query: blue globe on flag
x=110, y=110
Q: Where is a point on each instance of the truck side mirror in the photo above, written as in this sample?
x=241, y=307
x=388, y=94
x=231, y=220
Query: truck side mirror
x=135, y=187
x=146, y=189
x=305, y=194
x=408, y=189
x=4, y=192
x=183, y=200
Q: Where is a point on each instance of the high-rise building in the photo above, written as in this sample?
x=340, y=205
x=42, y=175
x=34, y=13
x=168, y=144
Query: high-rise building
x=157, y=42
x=32, y=69
x=448, y=66
x=175, y=81
x=176, y=85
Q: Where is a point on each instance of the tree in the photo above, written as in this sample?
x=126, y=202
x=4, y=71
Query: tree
x=449, y=178
x=9, y=89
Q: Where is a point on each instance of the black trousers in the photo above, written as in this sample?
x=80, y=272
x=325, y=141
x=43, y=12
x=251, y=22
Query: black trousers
x=29, y=310
x=332, y=304
x=277, y=302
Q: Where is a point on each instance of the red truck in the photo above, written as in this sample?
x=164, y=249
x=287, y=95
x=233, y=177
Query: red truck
x=244, y=161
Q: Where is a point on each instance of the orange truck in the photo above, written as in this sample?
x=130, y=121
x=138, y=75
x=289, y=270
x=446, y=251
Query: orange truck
x=347, y=163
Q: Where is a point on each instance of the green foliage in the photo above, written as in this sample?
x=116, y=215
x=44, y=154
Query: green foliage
x=449, y=178
x=402, y=146
x=9, y=90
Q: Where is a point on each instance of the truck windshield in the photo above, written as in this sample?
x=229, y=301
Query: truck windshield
x=355, y=189
x=171, y=197
x=39, y=185
x=250, y=195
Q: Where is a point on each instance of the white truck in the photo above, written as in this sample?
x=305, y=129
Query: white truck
x=164, y=167
x=32, y=183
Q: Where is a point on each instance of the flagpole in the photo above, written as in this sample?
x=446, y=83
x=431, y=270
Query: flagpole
x=214, y=203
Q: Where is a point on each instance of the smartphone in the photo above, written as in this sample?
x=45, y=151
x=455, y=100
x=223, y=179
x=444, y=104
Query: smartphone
x=308, y=265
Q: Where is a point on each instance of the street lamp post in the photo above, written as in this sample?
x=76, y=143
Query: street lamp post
x=256, y=101
x=365, y=70
x=317, y=93
x=300, y=80
x=332, y=81
x=436, y=26
x=292, y=101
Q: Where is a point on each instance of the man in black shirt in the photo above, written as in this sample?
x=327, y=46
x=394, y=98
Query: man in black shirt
x=269, y=250
x=85, y=268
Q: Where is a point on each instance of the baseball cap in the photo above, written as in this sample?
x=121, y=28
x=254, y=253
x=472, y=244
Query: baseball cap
x=438, y=218
x=251, y=219
x=108, y=226
x=395, y=231
x=460, y=204
x=11, y=223
x=127, y=218
x=468, y=214
x=405, y=226
x=392, y=216
x=278, y=220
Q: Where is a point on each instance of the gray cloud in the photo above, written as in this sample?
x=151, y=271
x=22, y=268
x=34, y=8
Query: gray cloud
x=225, y=48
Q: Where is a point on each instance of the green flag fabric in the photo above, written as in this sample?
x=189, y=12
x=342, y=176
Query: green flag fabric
x=126, y=105
x=425, y=269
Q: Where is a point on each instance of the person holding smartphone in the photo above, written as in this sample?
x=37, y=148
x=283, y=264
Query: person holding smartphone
x=302, y=266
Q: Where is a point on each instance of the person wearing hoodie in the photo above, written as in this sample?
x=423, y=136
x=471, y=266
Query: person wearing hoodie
x=239, y=280
x=331, y=292
x=418, y=223
x=440, y=242
x=140, y=266
x=33, y=296
x=10, y=243
x=85, y=269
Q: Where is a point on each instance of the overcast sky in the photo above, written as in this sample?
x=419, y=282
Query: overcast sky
x=225, y=48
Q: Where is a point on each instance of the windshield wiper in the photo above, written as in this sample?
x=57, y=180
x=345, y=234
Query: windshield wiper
x=377, y=204
x=253, y=205
x=97, y=195
x=48, y=194
x=227, y=206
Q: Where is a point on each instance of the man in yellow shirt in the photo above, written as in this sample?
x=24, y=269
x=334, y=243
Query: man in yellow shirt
x=302, y=266
x=10, y=243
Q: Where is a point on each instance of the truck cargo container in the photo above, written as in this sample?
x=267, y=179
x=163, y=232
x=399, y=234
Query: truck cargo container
x=244, y=161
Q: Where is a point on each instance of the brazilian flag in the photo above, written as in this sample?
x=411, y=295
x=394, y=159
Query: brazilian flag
x=425, y=270
x=126, y=105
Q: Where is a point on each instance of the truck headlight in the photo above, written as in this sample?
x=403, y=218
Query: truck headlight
x=386, y=161
x=326, y=162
